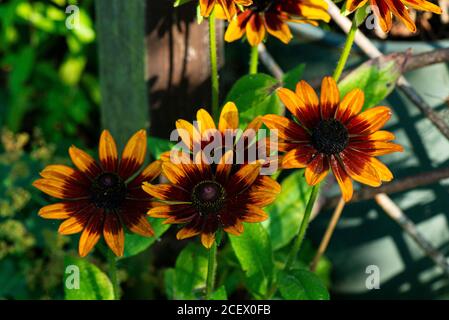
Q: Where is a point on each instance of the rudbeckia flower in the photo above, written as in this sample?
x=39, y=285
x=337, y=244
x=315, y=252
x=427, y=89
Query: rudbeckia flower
x=247, y=145
x=385, y=9
x=207, y=197
x=228, y=7
x=101, y=198
x=272, y=16
x=333, y=135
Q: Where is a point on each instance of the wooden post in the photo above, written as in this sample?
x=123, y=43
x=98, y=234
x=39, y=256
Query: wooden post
x=121, y=48
x=178, y=71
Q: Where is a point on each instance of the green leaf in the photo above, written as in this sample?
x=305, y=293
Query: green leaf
x=361, y=14
x=301, y=284
x=169, y=279
x=287, y=211
x=253, y=250
x=220, y=294
x=180, y=2
x=158, y=146
x=255, y=95
x=135, y=244
x=376, y=78
x=93, y=283
x=189, y=278
x=292, y=77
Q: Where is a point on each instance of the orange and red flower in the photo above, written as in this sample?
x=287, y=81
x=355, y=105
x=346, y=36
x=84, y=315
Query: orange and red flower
x=207, y=197
x=333, y=135
x=228, y=7
x=100, y=198
x=272, y=16
x=385, y=9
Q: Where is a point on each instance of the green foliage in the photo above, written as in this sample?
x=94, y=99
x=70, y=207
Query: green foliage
x=301, y=284
x=220, y=294
x=187, y=280
x=47, y=68
x=287, y=211
x=377, y=78
x=158, y=146
x=93, y=283
x=292, y=77
x=254, y=252
x=255, y=95
x=135, y=244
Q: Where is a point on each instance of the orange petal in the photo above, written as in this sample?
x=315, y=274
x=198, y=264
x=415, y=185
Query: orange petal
x=151, y=172
x=400, y=11
x=317, y=169
x=133, y=155
x=205, y=121
x=329, y=98
x=306, y=93
x=376, y=136
x=254, y=214
x=299, y=157
x=255, y=30
x=91, y=234
x=383, y=14
x=382, y=171
x=166, y=192
x=191, y=229
x=137, y=223
x=229, y=117
x=237, y=27
x=244, y=178
x=113, y=234
x=235, y=229
x=206, y=7
x=350, y=106
x=342, y=178
x=188, y=133
x=207, y=239
x=77, y=222
x=175, y=174
x=107, y=151
x=278, y=27
x=84, y=162
x=359, y=168
x=224, y=167
x=369, y=121
x=297, y=107
x=65, y=174
x=286, y=129
x=352, y=5
x=62, y=210
x=60, y=189
x=376, y=148
x=423, y=5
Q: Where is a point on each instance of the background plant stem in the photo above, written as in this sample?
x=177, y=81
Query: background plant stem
x=302, y=228
x=346, y=50
x=254, y=60
x=112, y=266
x=211, y=268
x=213, y=65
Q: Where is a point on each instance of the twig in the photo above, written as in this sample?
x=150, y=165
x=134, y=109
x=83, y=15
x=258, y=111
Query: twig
x=405, y=184
x=328, y=234
x=370, y=50
x=395, y=213
x=427, y=58
x=269, y=62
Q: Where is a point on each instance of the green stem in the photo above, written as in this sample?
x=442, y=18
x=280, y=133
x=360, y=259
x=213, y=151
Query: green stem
x=213, y=65
x=346, y=50
x=302, y=229
x=211, y=268
x=112, y=263
x=254, y=60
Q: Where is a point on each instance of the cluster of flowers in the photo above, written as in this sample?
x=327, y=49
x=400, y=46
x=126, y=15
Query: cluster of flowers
x=257, y=17
x=326, y=134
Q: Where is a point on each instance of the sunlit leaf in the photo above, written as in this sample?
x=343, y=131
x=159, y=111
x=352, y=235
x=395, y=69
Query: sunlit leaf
x=253, y=250
x=93, y=283
x=301, y=284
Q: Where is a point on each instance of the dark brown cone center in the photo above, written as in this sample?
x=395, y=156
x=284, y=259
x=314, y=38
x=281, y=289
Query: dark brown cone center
x=208, y=197
x=261, y=5
x=330, y=137
x=108, y=191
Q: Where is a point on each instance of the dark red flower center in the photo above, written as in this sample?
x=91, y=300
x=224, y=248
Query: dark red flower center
x=108, y=191
x=262, y=5
x=330, y=137
x=208, y=197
